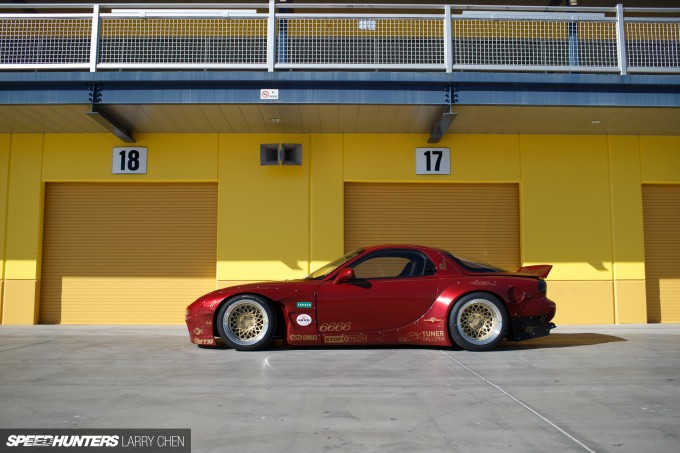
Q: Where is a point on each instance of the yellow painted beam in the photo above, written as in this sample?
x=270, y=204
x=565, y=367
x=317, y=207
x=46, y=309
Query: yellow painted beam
x=23, y=230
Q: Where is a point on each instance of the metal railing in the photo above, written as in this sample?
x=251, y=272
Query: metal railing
x=272, y=37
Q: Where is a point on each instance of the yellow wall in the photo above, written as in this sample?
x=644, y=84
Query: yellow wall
x=5, y=149
x=326, y=192
x=566, y=221
x=660, y=160
x=263, y=217
x=474, y=158
x=628, y=253
x=580, y=202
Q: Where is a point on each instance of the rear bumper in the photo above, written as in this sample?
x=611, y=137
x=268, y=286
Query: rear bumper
x=531, y=327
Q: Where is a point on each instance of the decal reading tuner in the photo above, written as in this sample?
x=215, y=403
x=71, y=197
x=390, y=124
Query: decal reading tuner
x=433, y=335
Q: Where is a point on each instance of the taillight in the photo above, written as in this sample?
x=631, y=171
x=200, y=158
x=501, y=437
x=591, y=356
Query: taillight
x=542, y=285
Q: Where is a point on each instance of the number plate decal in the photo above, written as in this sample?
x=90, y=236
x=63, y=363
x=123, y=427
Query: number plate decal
x=129, y=160
x=433, y=161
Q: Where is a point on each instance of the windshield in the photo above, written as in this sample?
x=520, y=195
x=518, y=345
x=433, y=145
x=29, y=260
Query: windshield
x=333, y=265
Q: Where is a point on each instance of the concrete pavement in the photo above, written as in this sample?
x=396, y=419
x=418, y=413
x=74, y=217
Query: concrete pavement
x=583, y=388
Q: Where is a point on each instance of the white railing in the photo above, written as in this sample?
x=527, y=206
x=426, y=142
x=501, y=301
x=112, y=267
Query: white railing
x=274, y=36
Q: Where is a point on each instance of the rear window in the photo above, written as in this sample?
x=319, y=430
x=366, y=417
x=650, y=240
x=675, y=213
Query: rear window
x=474, y=266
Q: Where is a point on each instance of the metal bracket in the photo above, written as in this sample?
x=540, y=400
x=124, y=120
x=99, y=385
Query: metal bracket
x=106, y=119
x=445, y=118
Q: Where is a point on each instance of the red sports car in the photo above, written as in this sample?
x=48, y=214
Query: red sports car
x=381, y=295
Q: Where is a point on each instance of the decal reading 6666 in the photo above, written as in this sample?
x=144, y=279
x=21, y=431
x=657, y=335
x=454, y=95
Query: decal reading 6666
x=433, y=161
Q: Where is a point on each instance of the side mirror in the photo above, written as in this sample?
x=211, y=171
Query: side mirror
x=344, y=276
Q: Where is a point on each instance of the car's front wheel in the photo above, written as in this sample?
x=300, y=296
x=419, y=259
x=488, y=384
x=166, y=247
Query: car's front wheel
x=478, y=322
x=246, y=322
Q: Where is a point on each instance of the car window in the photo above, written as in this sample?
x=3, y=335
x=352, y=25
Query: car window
x=393, y=264
x=333, y=265
x=381, y=267
x=473, y=266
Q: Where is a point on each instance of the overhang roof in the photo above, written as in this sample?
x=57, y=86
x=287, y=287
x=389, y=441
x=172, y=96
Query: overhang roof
x=342, y=102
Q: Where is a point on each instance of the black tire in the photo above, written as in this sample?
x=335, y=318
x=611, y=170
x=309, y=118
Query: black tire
x=478, y=322
x=246, y=322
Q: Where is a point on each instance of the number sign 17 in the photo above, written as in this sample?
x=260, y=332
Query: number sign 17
x=433, y=161
x=129, y=160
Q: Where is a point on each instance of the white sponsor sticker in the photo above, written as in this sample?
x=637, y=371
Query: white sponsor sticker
x=268, y=94
x=304, y=320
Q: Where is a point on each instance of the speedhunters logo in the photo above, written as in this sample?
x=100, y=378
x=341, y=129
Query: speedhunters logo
x=47, y=440
x=85, y=440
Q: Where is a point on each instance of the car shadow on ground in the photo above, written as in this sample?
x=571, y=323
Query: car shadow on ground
x=555, y=340
x=561, y=340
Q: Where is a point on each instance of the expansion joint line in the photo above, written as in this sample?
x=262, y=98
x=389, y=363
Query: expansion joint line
x=525, y=406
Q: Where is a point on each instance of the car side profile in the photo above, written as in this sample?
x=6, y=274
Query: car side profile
x=381, y=295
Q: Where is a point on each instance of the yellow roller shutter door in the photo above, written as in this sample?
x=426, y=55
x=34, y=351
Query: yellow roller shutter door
x=480, y=221
x=661, y=205
x=126, y=253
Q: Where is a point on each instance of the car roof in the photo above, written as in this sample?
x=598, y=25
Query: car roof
x=374, y=248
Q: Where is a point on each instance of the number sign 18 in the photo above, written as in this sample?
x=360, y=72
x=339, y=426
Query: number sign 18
x=129, y=160
x=433, y=161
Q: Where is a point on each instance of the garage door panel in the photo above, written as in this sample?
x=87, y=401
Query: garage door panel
x=477, y=220
x=661, y=208
x=126, y=253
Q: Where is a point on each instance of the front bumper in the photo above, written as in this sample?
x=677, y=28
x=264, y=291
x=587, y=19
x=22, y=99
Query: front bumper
x=200, y=325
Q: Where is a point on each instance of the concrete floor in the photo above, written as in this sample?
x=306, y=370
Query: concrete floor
x=583, y=388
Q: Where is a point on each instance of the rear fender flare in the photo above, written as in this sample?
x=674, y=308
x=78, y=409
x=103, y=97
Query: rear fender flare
x=451, y=297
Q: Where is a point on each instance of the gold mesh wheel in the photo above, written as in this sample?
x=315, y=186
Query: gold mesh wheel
x=246, y=322
x=479, y=322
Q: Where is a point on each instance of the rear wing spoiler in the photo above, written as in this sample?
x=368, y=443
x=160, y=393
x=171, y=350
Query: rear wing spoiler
x=542, y=270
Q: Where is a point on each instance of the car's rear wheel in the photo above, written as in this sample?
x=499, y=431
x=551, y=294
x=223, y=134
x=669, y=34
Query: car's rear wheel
x=478, y=322
x=246, y=322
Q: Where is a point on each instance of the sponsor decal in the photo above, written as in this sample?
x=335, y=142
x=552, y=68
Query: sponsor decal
x=304, y=320
x=426, y=335
x=335, y=327
x=413, y=336
x=209, y=341
x=345, y=339
x=212, y=305
x=432, y=320
x=197, y=331
x=482, y=283
x=442, y=265
x=304, y=305
x=433, y=335
x=297, y=337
